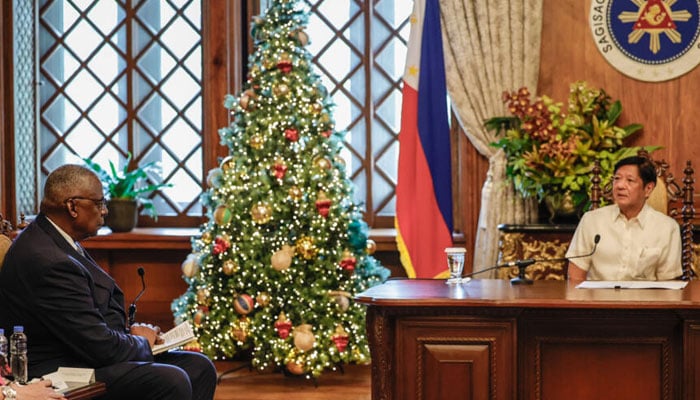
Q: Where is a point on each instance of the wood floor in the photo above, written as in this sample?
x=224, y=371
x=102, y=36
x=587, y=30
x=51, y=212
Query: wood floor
x=353, y=383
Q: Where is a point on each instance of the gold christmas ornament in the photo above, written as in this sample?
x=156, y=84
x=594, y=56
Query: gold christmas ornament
x=263, y=298
x=342, y=298
x=190, y=266
x=243, y=101
x=239, y=330
x=256, y=142
x=199, y=316
x=203, y=296
x=282, y=259
x=303, y=337
x=295, y=193
x=322, y=163
x=206, y=237
x=305, y=247
x=261, y=213
x=371, y=246
x=316, y=108
x=295, y=368
x=281, y=90
x=227, y=163
x=222, y=215
x=229, y=267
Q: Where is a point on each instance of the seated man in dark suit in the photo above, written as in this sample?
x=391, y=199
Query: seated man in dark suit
x=73, y=312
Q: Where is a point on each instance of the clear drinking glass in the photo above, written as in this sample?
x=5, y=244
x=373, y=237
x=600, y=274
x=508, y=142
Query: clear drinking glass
x=455, y=263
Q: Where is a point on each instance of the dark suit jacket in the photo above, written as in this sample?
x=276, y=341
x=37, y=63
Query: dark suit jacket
x=72, y=311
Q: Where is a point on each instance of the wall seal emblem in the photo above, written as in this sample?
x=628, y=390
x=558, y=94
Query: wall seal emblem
x=648, y=40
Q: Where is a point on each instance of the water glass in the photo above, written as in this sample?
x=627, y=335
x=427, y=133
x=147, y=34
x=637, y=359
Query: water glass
x=455, y=263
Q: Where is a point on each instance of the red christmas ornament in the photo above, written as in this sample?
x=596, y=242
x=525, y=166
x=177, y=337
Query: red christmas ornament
x=285, y=66
x=323, y=204
x=327, y=133
x=221, y=244
x=323, y=207
x=279, y=170
x=340, y=338
x=291, y=134
x=341, y=342
x=348, y=264
x=283, y=326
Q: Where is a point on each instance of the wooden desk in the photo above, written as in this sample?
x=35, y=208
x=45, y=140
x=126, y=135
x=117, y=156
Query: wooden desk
x=489, y=340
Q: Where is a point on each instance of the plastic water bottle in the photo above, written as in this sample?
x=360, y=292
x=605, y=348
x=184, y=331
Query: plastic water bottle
x=4, y=353
x=18, y=354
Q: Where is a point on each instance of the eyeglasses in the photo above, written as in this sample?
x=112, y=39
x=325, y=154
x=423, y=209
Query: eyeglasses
x=100, y=203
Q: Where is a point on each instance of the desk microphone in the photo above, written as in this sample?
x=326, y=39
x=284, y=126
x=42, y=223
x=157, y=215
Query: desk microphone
x=132, y=307
x=523, y=264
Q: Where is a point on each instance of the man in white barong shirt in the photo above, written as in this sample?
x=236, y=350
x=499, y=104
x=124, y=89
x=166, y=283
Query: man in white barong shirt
x=636, y=241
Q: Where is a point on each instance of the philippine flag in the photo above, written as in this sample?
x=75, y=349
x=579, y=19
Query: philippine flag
x=424, y=187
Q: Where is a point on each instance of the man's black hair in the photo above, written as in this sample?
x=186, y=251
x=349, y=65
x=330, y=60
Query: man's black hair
x=647, y=171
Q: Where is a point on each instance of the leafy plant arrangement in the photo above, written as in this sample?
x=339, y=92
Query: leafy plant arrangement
x=550, y=151
x=127, y=184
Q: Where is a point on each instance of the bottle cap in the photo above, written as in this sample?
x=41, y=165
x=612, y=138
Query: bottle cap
x=18, y=328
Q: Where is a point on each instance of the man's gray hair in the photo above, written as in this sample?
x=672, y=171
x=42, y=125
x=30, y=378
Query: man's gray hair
x=62, y=183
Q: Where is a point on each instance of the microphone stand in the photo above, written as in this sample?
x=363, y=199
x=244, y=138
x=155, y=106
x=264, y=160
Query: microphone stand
x=132, y=306
x=523, y=264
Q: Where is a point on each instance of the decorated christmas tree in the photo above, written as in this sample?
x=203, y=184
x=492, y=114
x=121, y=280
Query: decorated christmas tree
x=284, y=251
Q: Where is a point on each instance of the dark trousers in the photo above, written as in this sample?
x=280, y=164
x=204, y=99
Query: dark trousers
x=175, y=375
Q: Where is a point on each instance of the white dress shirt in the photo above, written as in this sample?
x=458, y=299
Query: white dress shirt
x=646, y=247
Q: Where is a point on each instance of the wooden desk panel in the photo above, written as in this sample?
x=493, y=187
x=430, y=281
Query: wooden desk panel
x=541, y=341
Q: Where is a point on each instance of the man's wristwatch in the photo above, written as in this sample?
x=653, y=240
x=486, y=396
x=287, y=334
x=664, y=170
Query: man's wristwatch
x=9, y=393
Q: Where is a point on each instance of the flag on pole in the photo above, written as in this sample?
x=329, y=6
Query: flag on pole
x=424, y=188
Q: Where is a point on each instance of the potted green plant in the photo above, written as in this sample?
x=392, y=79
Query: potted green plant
x=550, y=149
x=127, y=190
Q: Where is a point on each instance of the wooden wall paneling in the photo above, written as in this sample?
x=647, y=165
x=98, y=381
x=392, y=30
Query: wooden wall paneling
x=569, y=53
x=7, y=149
x=162, y=276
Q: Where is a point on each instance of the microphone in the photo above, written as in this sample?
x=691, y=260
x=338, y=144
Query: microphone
x=132, y=307
x=523, y=264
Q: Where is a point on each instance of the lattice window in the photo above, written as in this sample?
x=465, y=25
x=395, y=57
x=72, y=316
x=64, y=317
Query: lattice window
x=359, y=50
x=124, y=76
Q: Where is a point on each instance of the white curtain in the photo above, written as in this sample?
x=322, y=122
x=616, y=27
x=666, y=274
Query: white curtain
x=491, y=46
